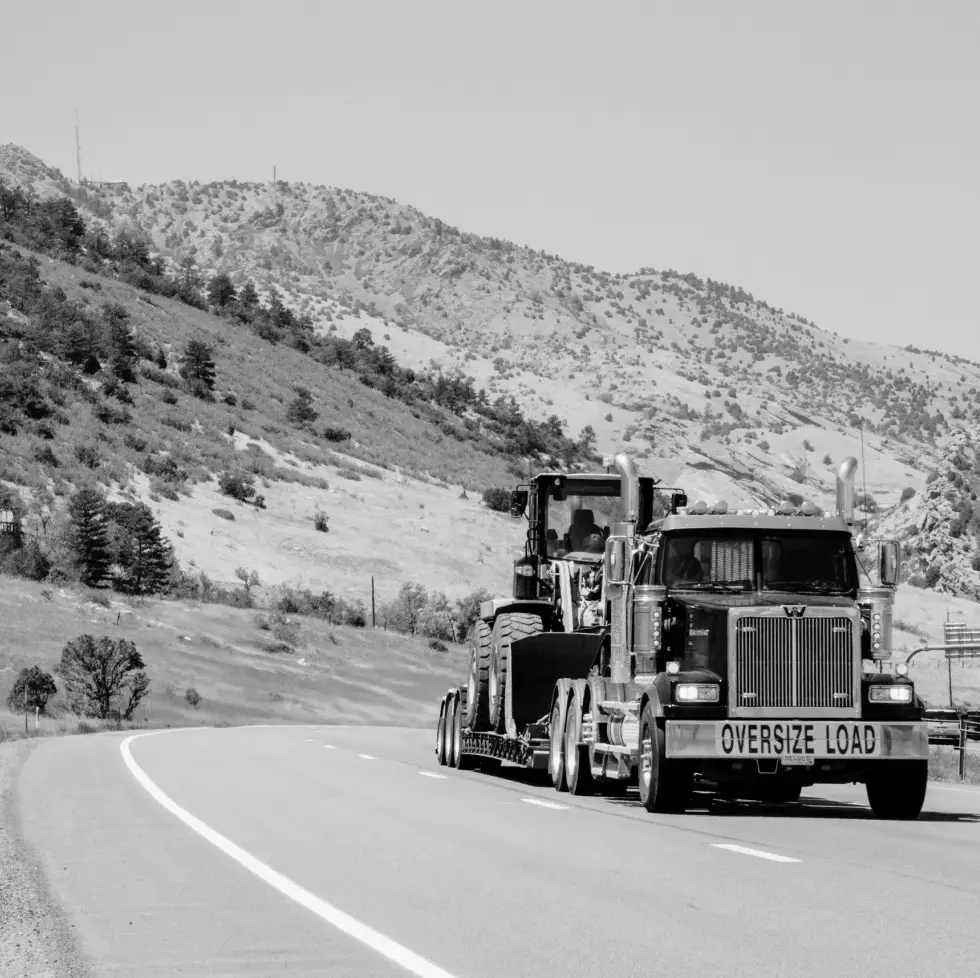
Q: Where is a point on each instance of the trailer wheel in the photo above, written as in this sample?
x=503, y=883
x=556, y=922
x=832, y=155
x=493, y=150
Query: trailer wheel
x=897, y=789
x=441, y=755
x=459, y=760
x=451, y=711
x=478, y=693
x=664, y=785
x=556, y=750
x=578, y=768
x=509, y=627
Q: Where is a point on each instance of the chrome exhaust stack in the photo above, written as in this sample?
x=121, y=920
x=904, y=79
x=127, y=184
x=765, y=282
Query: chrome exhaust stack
x=845, y=488
x=629, y=493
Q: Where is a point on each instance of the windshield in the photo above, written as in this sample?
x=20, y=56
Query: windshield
x=799, y=561
x=581, y=521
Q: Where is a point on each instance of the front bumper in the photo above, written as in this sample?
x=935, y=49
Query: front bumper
x=796, y=739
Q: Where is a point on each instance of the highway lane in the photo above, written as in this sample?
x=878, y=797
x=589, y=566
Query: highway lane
x=471, y=873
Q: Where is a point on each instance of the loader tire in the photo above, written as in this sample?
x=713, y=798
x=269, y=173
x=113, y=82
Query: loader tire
x=478, y=698
x=509, y=627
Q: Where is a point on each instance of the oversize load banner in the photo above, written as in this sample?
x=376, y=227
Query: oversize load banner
x=796, y=740
x=788, y=738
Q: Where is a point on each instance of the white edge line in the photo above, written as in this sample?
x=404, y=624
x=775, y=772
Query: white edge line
x=758, y=853
x=545, y=804
x=432, y=774
x=375, y=940
x=368, y=757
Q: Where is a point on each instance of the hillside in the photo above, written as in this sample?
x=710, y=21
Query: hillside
x=703, y=381
x=393, y=493
x=707, y=386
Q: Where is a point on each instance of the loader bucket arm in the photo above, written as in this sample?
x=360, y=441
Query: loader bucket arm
x=535, y=664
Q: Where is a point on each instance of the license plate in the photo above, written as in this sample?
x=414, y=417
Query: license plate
x=797, y=742
x=796, y=760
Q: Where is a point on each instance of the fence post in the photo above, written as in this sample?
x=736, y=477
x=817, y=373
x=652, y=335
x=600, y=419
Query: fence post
x=949, y=667
x=962, y=747
x=374, y=623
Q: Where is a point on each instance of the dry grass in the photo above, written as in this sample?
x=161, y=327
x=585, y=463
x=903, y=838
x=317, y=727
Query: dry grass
x=944, y=765
x=336, y=674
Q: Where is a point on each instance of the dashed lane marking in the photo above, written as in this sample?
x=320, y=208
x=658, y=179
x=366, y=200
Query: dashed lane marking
x=378, y=942
x=432, y=774
x=368, y=757
x=545, y=804
x=329, y=747
x=758, y=853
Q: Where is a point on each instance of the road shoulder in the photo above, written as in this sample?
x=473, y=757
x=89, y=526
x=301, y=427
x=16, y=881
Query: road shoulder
x=35, y=936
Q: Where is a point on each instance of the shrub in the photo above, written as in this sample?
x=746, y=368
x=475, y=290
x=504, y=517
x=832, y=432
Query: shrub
x=32, y=689
x=336, y=434
x=438, y=646
x=238, y=485
x=169, y=397
x=764, y=445
x=29, y=561
x=933, y=574
x=192, y=696
x=827, y=460
x=225, y=514
x=907, y=493
x=320, y=522
x=497, y=499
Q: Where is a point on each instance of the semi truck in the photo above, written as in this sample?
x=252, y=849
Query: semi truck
x=676, y=646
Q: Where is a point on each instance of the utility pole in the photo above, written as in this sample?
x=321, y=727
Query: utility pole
x=78, y=149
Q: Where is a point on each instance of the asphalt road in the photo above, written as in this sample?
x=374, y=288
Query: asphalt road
x=335, y=851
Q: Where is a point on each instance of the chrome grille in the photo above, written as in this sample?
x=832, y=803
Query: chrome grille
x=788, y=664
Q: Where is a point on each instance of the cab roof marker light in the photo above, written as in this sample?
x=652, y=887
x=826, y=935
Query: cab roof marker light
x=786, y=508
x=673, y=667
x=720, y=507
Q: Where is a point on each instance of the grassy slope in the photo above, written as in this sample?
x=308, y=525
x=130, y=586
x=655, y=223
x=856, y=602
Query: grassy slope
x=393, y=525
x=336, y=674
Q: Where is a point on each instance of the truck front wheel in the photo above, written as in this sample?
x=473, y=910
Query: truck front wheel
x=664, y=785
x=897, y=789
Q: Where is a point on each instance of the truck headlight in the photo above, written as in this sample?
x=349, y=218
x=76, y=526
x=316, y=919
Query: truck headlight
x=897, y=693
x=696, y=692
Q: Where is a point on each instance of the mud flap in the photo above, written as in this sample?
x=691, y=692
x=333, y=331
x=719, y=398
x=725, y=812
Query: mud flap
x=536, y=664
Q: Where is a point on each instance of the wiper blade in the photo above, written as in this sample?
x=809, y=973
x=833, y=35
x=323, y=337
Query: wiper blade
x=709, y=585
x=813, y=587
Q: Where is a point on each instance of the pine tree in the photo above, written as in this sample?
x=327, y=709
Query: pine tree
x=221, y=290
x=249, y=296
x=197, y=368
x=142, y=553
x=123, y=357
x=89, y=536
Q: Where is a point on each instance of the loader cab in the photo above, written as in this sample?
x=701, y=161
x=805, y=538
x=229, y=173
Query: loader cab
x=570, y=516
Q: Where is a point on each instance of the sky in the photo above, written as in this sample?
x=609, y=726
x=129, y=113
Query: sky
x=822, y=156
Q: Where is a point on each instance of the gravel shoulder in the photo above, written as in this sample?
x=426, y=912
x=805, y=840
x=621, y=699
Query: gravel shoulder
x=36, y=939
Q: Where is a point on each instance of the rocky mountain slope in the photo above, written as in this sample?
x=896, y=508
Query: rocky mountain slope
x=706, y=385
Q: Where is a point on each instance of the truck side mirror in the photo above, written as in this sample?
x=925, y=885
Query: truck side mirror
x=615, y=563
x=888, y=563
x=518, y=503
